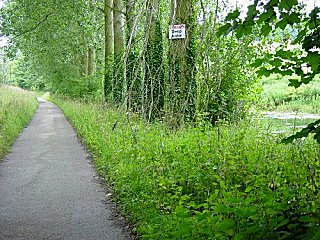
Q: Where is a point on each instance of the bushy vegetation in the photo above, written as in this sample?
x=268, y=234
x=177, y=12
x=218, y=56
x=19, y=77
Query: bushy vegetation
x=203, y=183
x=16, y=109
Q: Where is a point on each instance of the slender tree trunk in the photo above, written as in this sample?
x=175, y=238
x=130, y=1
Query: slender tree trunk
x=3, y=70
x=132, y=75
x=182, y=83
x=91, y=49
x=153, y=94
x=84, y=63
x=118, y=25
x=109, y=49
x=91, y=61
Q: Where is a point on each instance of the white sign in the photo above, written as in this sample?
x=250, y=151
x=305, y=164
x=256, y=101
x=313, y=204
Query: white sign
x=177, y=31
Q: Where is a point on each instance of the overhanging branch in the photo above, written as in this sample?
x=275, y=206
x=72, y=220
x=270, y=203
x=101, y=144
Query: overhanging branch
x=36, y=26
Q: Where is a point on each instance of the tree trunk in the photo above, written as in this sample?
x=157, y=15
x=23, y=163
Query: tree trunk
x=3, y=70
x=109, y=49
x=91, y=61
x=153, y=94
x=84, y=62
x=132, y=74
x=118, y=25
x=91, y=49
x=182, y=83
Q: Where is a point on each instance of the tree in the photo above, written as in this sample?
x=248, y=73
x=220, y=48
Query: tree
x=153, y=87
x=131, y=67
x=109, y=49
x=182, y=82
x=118, y=25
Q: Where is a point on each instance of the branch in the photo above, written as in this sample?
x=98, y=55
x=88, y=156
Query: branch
x=36, y=26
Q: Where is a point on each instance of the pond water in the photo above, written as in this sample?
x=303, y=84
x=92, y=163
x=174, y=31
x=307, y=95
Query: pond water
x=282, y=122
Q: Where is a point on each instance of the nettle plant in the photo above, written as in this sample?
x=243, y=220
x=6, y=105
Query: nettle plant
x=302, y=66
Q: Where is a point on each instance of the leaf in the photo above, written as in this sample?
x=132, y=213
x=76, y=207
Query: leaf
x=252, y=11
x=282, y=223
x=284, y=54
x=257, y=63
x=300, y=36
x=281, y=24
x=294, y=83
x=293, y=18
x=244, y=29
x=277, y=62
x=287, y=4
x=225, y=225
x=223, y=29
x=266, y=16
x=263, y=72
x=311, y=128
x=248, y=189
x=266, y=29
x=307, y=219
x=313, y=60
x=233, y=15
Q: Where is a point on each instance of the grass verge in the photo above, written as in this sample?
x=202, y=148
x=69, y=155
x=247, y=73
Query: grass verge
x=16, y=110
x=229, y=182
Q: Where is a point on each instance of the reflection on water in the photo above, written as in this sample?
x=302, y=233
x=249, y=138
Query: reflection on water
x=281, y=122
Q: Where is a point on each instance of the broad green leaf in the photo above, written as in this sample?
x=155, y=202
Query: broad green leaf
x=257, y=63
x=294, y=83
x=307, y=219
x=225, y=225
x=282, y=24
x=223, y=29
x=252, y=11
x=311, y=128
x=313, y=60
x=266, y=29
x=293, y=18
x=283, y=54
x=248, y=189
x=263, y=72
x=233, y=15
x=266, y=16
x=287, y=4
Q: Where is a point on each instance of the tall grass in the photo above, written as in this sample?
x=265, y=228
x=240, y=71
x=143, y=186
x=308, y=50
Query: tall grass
x=16, y=109
x=229, y=182
x=278, y=96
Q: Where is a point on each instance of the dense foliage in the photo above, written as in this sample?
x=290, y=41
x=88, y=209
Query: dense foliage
x=203, y=183
x=17, y=107
x=86, y=48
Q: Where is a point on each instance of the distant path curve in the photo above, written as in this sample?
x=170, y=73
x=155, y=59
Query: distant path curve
x=49, y=189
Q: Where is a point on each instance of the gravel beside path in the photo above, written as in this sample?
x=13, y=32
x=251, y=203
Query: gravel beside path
x=49, y=189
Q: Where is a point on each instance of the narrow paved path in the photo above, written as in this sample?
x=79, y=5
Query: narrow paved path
x=49, y=189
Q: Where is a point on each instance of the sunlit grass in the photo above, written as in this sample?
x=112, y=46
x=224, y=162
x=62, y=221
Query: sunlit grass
x=16, y=109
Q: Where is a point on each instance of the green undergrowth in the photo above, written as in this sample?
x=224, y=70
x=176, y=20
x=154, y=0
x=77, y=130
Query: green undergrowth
x=16, y=110
x=228, y=182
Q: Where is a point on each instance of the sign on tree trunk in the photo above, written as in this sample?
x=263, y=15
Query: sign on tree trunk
x=177, y=31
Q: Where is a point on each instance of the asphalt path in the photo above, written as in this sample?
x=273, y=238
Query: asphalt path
x=49, y=188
